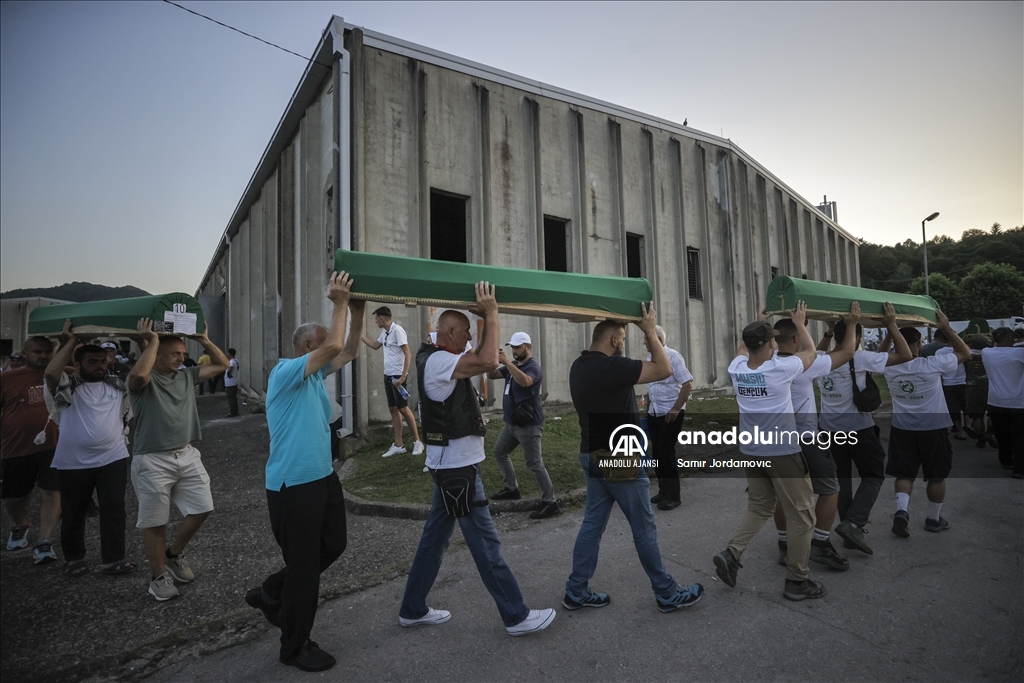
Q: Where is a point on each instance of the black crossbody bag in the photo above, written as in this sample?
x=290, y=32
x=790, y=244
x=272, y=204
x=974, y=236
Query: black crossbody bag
x=870, y=398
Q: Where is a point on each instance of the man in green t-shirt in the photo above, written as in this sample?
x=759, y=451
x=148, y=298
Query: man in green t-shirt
x=166, y=467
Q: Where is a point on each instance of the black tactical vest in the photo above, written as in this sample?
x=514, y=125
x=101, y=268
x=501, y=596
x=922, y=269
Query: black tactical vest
x=455, y=417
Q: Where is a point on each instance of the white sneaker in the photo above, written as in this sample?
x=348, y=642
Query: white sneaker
x=162, y=587
x=538, y=620
x=432, y=617
x=417, y=448
x=394, y=450
x=426, y=469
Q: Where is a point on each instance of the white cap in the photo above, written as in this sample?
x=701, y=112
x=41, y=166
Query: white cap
x=108, y=345
x=518, y=339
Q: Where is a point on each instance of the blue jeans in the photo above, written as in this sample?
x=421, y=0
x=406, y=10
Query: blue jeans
x=633, y=500
x=482, y=540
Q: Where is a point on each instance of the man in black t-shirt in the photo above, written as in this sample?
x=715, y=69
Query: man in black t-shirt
x=601, y=382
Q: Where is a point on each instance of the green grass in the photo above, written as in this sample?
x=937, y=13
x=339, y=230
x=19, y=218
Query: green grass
x=401, y=479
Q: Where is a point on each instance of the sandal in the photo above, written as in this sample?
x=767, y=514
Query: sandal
x=76, y=568
x=119, y=567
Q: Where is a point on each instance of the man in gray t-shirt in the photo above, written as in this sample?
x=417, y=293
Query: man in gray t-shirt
x=166, y=467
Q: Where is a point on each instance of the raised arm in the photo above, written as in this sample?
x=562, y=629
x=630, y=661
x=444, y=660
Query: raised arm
x=62, y=358
x=520, y=377
x=484, y=358
x=372, y=343
x=218, y=361
x=805, y=345
x=658, y=367
x=960, y=348
x=149, y=341
x=844, y=353
x=338, y=291
x=355, y=332
x=902, y=354
x=826, y=339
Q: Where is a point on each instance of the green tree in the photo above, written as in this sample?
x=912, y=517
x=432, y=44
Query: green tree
x=992, y=290
x=945, y=292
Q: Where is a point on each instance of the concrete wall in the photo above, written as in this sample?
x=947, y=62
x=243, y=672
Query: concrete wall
x=516, y=155
x=14, y=315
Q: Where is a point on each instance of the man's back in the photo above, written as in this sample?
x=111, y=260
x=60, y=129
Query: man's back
x=602, y=385
x=298, y=417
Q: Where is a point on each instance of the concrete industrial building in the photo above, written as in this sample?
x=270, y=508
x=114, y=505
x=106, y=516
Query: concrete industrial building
x=395, y=148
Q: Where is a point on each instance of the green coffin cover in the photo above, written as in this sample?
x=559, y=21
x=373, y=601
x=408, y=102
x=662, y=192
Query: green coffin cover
x=117, y=317
x=827, y=301
x=415, y=281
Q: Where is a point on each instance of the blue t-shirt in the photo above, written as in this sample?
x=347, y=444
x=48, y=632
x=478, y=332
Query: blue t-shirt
x=299, y=415
x=515, y=394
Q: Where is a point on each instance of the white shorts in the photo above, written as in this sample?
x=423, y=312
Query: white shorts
x=163, y=477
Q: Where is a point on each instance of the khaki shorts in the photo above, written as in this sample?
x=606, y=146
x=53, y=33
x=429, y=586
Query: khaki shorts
x=170, y=476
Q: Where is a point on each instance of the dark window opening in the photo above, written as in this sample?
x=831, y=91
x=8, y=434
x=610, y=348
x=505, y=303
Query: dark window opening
x=447, y=227
x=635, y=261
x=693, y=273
x=6, y=347
x=775, y=272
x=556, y=244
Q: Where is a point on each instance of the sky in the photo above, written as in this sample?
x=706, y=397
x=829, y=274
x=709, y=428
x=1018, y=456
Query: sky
x=129, y=131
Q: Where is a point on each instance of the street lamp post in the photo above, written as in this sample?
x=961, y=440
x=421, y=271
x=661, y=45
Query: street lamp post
x=924, y=243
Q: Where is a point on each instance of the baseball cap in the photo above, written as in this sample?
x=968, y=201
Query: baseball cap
x=518, y=339
x=108, y=345
x=16, y=356
x=756, y=335
x=384, y=311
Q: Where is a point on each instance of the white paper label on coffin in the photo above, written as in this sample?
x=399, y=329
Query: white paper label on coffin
x=183, y=323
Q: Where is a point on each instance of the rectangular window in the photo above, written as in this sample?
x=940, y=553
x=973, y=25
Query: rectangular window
x=693, y=272
x=447, y=227
x=775, y=272
x=556, y=244
x=636, y=262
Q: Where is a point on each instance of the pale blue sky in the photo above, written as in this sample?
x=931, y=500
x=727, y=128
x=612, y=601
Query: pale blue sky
x=128, y=131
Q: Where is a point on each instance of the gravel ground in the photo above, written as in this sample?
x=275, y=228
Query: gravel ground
x=101, y=628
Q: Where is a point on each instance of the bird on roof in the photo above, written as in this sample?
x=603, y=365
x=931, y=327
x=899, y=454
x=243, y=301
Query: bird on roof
x=684, y=121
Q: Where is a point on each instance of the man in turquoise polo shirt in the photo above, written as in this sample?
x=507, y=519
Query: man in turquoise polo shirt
x=304, y=497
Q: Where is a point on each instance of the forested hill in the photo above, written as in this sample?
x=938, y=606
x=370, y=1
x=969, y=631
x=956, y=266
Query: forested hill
x=77, y=291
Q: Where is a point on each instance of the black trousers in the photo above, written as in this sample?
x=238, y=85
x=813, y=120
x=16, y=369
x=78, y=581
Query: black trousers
x=308, y=521
x=232, y=394
x=76, y=487
x=1008, y=428
x=869, y=457
x=664, y=436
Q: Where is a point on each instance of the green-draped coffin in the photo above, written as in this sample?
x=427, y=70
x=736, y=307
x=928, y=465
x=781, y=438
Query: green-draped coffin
x=415, y=281
x=827, y=301
x=171, y=314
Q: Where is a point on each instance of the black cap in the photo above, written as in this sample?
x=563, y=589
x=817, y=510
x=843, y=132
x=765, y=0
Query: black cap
x=756, y=335
x=384, y=311
x=911, y=334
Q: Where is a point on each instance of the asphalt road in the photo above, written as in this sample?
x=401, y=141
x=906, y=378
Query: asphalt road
x=934, y=607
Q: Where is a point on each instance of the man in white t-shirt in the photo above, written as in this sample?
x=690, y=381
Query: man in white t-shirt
x=231, y=384
x=665, y=414
x=92, y=409
x=954, y=389
x=1004, y=365
x=397, y=360
x=919, y=438
x=454, y=430
x=820, y=463
x=767, y=433
x=840, y=415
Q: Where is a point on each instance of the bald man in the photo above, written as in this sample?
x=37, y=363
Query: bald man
x=304, y=497
x=453, y=430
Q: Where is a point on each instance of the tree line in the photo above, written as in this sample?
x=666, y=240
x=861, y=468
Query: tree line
x=979, y=275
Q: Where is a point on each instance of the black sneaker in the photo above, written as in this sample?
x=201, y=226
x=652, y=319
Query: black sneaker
x=803, y=590
x=657, y=498
x=783, y=552
x=257, y=599
x=310, y=658
x=507, y=494
x=900, y=521
x=726, y=566
x=571, y=601
x=854, y=535
x=939, y=524
x=668, y=504
x=822, y=552
x=546, y=510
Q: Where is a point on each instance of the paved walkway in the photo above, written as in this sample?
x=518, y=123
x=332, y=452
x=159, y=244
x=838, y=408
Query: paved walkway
x=935, y=607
